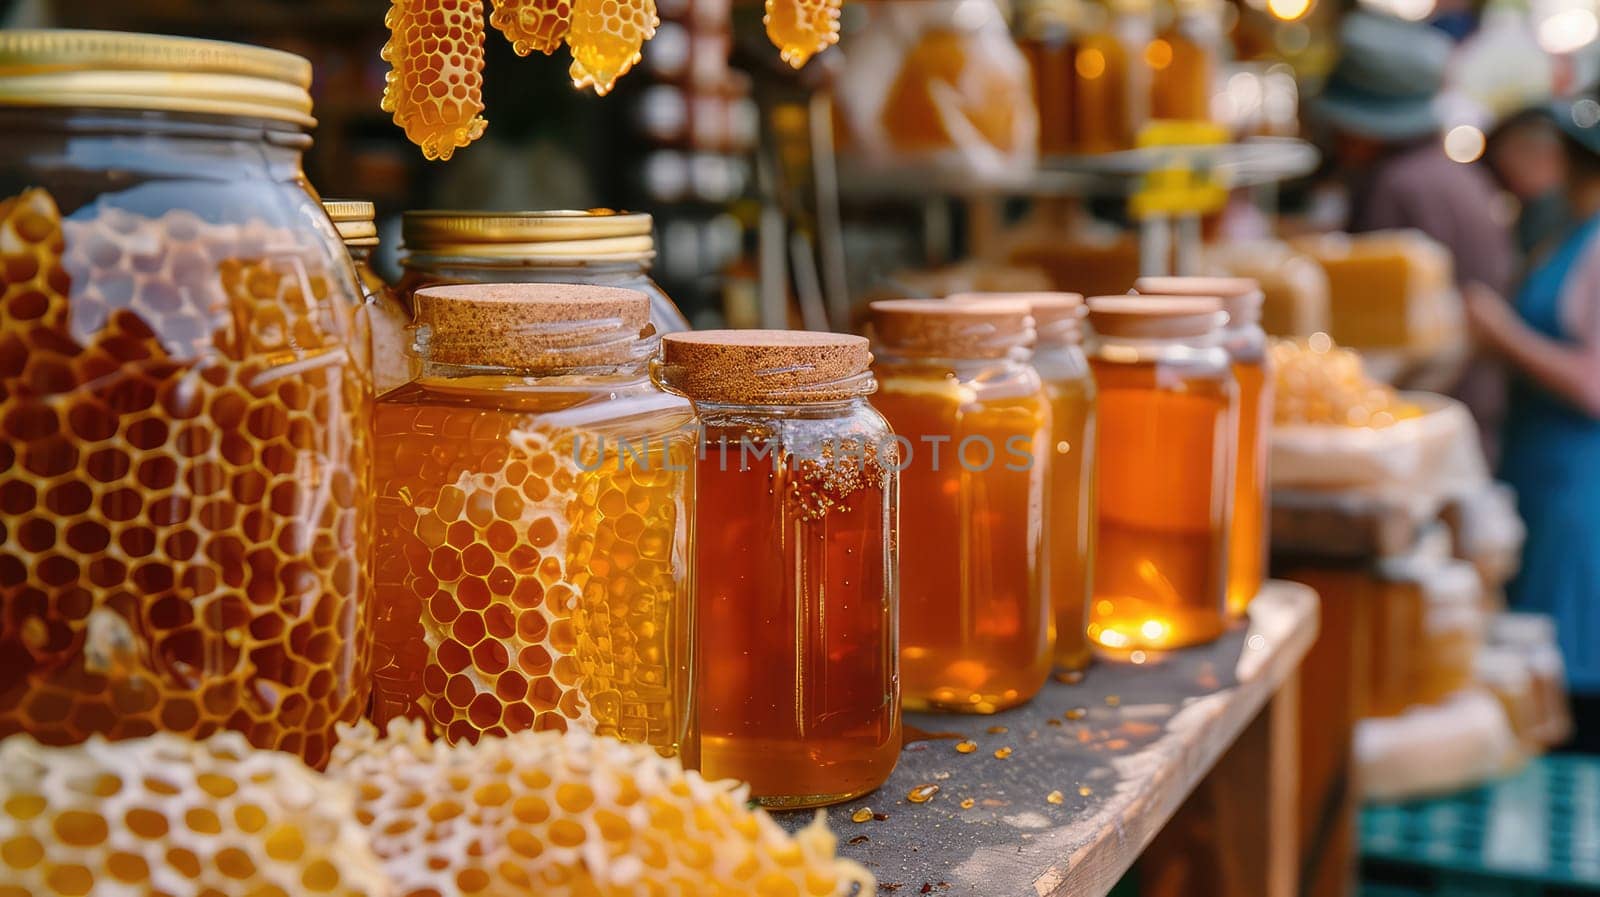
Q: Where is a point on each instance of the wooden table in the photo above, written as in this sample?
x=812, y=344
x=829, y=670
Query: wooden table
x=1095, y=771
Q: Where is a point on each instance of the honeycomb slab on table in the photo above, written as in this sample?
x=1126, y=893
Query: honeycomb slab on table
x=434, y=88
x=1318, y=382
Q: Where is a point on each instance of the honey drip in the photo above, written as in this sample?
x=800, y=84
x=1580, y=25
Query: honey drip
x=532, y=25
x=434, y=87
x=801, y=29
x=606, y=39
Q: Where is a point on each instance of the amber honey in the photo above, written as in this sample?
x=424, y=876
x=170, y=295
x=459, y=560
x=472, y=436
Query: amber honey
x=1246, y=344
x=976, y=626
x=797, y=682
x=1166, y=417
x=531, y=510
x=1183, y=63
x=386, y=316
x=1110, y=99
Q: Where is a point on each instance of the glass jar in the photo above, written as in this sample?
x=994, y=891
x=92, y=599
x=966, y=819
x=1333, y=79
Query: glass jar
x=1167, y=402
x=1111, y=96
x=597, y=246
x=1246, y=344
x=387, y=317
x=1046, y=38
x=185, y=484
x=1069, y=493
x=1184, y=58
x=798, y=685
x=532, y=484
x=973, y=423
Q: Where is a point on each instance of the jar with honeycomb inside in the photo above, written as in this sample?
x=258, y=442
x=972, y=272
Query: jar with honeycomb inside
x=387, y=318
x=1167, y=403
x=797, y=673
x=532, y=484
x=1246, y=344
x=1184, y=58
x=973, y=422
x=185, y=478
x=595, y=246
x=1111, y=93
x=1070, y=477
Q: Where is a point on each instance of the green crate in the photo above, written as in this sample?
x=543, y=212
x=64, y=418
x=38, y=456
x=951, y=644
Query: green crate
x=1536, y=834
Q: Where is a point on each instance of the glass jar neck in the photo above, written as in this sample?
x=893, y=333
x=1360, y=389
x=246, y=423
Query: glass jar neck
x=1203, y=348
x=712, y=412
x=965, y=367
x=463, y=266
x=185, y=145
x=622, y=376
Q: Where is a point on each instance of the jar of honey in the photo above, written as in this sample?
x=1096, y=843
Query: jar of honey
x=797, y=676
x=533, y=490
x=1069, y=492
x=596, y=246
x=1184, y=58
x=1246, y=344
x=1167, y=402
x=973, y=423
x=1111, y=95
x=387, y=317
x=185, y=394
x=1047, y=38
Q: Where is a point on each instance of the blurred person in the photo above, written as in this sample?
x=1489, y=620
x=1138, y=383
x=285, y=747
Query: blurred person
x=1550, y=337
x=1526, y=157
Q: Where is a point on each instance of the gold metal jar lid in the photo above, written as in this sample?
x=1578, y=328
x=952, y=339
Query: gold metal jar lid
x=121, y=70
x=1241, y=296
x=560, y=235
x=534, y=326
x=354, y=219
x=945, y=329
x=1155, y=317
x=766, y=366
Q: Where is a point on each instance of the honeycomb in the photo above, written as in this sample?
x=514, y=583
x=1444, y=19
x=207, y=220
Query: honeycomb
x=801, y=29
x=165, y=815
x=606, y=38
x=434, y=87
x=182, y=480
x=532, y=24
x=1317, y=382
x=547, y=814
x=519, y=590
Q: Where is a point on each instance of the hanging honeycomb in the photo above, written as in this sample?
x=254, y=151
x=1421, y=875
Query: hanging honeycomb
x=1317, y=382
x=520, y=590
x=166, y=815
x=532, y=25
x=181, y=482
x=547, y=814
x=435, y=83
x=801, y=29
x=606, y=38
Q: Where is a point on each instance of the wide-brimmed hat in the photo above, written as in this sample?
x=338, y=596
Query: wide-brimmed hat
x=1389, y=74
x=1579, y=118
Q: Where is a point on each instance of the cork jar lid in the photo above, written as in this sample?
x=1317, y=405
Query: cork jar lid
x=1155, y=317
x=945, y=329
x=1241, y=296
x=1057, y=317
x=537, y=326
x=765, y=366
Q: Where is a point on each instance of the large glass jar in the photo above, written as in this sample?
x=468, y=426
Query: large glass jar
x=532, y=562
x=597, y=246
x=353, y=218
x=798, y=686
x=973, y=420
x=1246, y=344
x=185, y=479
x=1167, y=401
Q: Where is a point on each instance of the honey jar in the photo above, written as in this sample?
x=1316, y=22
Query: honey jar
x=795, y=572
x=595, y=246
x=1111, y=91
x=533, y=498
x=973, y=424
x=185, y=394
x=353, y=219
x=1246, y=344
x=1167, y=402
x=1070, y=477
x=1184, y=58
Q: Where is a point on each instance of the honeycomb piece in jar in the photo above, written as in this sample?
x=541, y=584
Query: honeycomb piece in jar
x=434, y=87
x=532, y=25
x=180, y=485
x=552, y=814
x=166, y=815
x=801, y=29
x=606, y=39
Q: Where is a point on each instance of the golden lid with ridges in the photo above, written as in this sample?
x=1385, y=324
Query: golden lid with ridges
x=125, y=70
x=558, y=234
x=354, y=219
